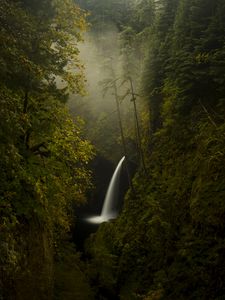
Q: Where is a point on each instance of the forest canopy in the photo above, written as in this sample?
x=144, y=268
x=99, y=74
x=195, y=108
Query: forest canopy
x=43, y=154
x=157, y=96
x=168, y=242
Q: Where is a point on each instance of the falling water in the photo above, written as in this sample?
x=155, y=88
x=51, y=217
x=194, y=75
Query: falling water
x=108, y=209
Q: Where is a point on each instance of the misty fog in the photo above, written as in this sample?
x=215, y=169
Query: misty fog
x=100, y=52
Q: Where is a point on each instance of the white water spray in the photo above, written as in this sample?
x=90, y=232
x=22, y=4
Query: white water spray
x=108, y=210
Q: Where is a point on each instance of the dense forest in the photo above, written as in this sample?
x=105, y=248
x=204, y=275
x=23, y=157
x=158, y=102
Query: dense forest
x=83, y=83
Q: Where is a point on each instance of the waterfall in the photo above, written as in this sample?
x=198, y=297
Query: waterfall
x=109, y=208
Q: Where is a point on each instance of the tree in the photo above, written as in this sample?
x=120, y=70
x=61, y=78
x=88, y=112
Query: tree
x=168, y=241
x=43, y=156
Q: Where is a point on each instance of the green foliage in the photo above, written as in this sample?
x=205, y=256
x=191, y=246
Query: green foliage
x=168, y=242
x=43, y=154
x=102, y=269
x=70, y=280
x=107, y=12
